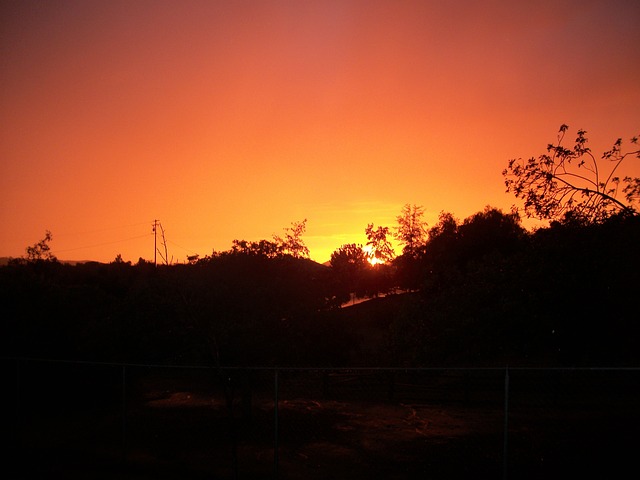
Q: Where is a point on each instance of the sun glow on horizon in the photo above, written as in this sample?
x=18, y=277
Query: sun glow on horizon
x=229, y=120
x=371, y=258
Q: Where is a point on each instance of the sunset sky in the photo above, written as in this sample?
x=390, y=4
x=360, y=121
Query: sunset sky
x=232, y=119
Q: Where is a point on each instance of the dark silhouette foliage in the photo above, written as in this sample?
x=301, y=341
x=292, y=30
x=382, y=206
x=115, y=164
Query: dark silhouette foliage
x=562, y=295
x=572, y=183
x=411, y=230
x=486, y=293
x=381, y=248
x=349, y=265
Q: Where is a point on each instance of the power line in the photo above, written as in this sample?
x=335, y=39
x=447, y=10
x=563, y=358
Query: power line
x=98, y=230
x=155, y=225
x=101, y=244
x=188, y=250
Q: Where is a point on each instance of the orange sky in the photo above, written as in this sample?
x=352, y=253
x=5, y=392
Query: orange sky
x=232, y=119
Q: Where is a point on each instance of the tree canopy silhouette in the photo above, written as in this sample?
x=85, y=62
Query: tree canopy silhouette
x=488, y=293
x=569, y=183
x=292, y=242
x=412, y=229
x=381, y=248
x=348, y=264
x=39, y=251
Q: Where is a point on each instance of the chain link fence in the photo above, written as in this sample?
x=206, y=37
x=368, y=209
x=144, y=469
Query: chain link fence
x=95, y=420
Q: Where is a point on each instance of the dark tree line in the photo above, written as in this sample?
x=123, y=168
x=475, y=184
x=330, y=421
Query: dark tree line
x=485, y=291
x=478, y=291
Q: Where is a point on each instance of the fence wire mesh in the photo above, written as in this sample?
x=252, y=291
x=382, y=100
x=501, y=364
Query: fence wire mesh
x=83, y=420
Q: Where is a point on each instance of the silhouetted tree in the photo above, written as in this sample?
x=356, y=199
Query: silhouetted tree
x=412, y=229
x=381, y=248
x=120, y=261
x=489, y=231
x=568, y=182
x=348, y=264
x=452, y=246
x=41, y=250
x=441, y=250
x=412, y=233
x=446, y=228
x=262, y=248
x=292, y=243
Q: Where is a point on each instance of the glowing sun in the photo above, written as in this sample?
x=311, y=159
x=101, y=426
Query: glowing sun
x=371, y=258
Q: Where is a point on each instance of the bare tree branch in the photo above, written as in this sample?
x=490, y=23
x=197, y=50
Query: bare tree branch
x=554, y=186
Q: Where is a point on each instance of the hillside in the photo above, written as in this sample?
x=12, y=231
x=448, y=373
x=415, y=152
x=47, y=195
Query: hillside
x=563, y=296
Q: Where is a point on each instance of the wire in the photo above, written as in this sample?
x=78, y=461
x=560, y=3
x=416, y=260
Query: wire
x=101, y=244
x=98, y=230
x=180, y=246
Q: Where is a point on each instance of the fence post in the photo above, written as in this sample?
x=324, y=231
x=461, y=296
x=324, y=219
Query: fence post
x=18, y=412
x=506, y=424
x=275, y=425
x=124, y=414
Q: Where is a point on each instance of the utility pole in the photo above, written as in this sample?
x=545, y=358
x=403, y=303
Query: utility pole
x=155, y=248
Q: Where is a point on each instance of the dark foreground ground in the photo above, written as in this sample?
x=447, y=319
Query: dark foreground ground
x=109, y=422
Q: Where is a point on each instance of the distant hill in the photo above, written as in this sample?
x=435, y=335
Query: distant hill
x=6, y=260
